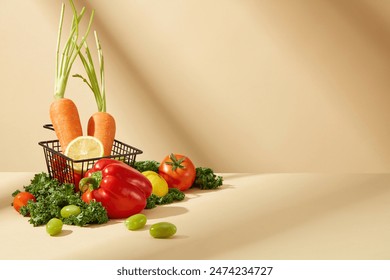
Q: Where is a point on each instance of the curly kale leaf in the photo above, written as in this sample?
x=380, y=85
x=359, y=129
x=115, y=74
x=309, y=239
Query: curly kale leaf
x=205, y=179
x=51, y=196
x=147, y=165
x=172, y=196
x=92, y=213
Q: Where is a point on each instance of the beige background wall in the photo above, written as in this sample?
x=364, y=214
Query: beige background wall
x=240, y=86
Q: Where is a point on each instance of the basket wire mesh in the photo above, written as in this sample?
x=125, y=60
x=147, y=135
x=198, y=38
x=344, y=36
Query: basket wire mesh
x=62, y=168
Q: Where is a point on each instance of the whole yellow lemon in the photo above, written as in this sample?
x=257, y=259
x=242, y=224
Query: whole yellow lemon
x=159, y=185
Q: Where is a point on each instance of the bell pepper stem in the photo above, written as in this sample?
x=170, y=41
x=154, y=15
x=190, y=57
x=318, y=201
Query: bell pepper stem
x=92, y=182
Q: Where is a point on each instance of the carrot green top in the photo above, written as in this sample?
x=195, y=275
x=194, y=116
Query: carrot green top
x=70, y=50
x=97, y=85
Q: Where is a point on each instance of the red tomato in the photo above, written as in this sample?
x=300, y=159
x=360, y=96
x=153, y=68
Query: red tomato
x=21, y=199
x=61, y=171
x=58, y=168
x=76, y=181
x=178, y=170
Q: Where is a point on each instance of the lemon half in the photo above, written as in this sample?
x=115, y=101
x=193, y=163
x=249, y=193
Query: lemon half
x=84, y=147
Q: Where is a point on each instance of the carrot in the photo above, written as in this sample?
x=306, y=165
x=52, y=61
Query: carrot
x=101, y=124
x=66, y=121
x=63, y=112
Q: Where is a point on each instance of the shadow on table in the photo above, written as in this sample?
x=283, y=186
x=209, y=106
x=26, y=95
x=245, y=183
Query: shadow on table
x=165, y=211
x=334, y=195
x=299, y=211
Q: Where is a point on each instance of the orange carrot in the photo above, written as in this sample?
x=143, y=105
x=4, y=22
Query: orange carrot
x=63, y=112
x=102, y=126
x=66, y=121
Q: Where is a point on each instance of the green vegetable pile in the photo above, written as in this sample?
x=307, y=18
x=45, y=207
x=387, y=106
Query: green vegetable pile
x=146, y=165
x=51, y=196
x=205, y=178
x=172, y=196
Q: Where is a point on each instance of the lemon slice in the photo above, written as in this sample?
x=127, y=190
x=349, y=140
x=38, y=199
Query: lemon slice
x=84, y=147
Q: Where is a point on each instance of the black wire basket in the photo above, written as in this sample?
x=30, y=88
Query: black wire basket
x=62, y=168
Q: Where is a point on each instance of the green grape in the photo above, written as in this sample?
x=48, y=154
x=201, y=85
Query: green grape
x=70, y=210
x=135, y=222
x=54, y=226
x=162, y=230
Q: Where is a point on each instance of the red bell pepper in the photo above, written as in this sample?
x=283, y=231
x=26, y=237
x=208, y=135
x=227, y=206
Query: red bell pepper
x=121, y=189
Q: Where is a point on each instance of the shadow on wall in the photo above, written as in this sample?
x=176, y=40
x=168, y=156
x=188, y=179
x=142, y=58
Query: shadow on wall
x=250, y=86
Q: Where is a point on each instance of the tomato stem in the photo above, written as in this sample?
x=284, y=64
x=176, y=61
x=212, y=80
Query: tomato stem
x=175, y=162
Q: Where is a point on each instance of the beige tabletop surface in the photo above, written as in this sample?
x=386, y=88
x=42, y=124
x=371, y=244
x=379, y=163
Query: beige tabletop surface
x=283, y=216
